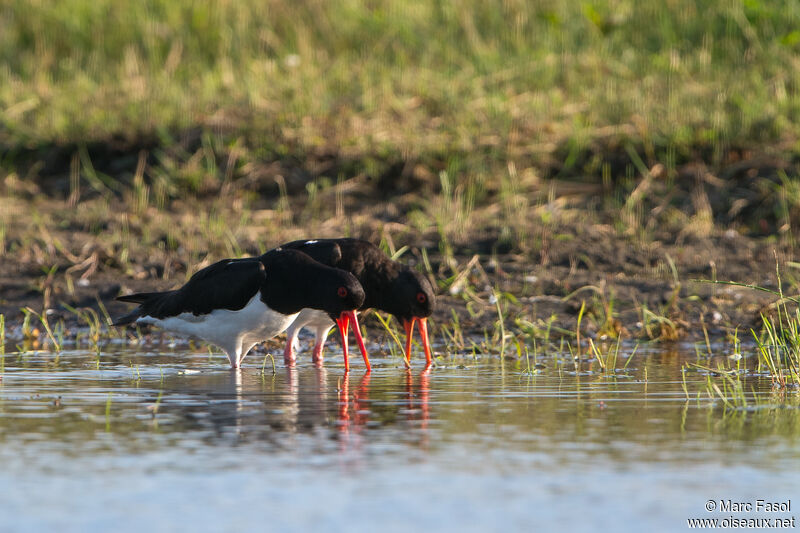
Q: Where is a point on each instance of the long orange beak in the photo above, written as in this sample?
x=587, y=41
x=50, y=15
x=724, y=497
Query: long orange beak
x=343, y=322
x=409, y=327
x=426, y=345
x=423, y=333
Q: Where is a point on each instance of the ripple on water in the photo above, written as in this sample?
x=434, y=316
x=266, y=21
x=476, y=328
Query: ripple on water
x=165, y=441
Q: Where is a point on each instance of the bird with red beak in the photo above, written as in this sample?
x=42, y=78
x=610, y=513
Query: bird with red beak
x=388, y=285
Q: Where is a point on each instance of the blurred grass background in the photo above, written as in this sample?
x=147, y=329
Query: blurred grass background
x=458, y=122
x=493, y=81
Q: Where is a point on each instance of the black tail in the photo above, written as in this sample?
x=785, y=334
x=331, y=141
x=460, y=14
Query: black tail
x=140, y=298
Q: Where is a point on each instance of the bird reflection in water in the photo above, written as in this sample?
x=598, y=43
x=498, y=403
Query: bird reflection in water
x=273, y=409
x=353, y=410
x=417, y=401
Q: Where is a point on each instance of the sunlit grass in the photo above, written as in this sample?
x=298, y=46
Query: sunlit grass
x=411, y=77
x=779, y=347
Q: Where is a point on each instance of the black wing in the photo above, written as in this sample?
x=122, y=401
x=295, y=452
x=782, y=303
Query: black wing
x=227, y=284
x=326, y=251
x=373, y=269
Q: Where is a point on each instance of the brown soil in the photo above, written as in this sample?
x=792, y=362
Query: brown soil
x=593, y=267
x=640, y=281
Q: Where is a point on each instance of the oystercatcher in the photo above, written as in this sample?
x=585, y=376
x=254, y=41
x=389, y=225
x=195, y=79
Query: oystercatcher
x=237, y=303
x=389, y=286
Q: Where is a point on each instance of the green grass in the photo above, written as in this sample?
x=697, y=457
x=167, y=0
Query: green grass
x=777, y=355
x=779, y=346
x=139, y=107
x=471, y=83
x=778, y=341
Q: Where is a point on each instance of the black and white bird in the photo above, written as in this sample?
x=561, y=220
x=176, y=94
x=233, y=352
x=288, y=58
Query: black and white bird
x=388, y=285
x=237, y=303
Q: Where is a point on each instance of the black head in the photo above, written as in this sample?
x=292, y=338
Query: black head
x=294, y=281
x=412, y=296
x=349, y=295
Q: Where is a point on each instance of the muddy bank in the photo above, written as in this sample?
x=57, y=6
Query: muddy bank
x=615, y=238
x=637, y=290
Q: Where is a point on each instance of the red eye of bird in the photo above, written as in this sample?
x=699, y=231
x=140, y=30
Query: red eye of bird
x=342, y=292
x=421, y=297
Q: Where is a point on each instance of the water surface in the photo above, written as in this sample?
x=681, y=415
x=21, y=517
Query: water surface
x=169, y=441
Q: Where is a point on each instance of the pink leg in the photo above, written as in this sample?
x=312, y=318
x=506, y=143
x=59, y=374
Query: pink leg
x=320, y=335
x=288, y=352
x=317, y=358
x=234, y=353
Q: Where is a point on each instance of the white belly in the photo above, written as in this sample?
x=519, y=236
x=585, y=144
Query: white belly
x=312, y=319
x=254, y=323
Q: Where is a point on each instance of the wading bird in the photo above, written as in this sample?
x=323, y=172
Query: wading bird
x=237, y=303
x=388, y=286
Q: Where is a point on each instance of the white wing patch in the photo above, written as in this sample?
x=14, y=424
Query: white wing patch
x=312, y=242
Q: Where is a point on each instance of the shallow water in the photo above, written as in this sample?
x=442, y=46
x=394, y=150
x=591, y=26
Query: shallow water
x=175, y=441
